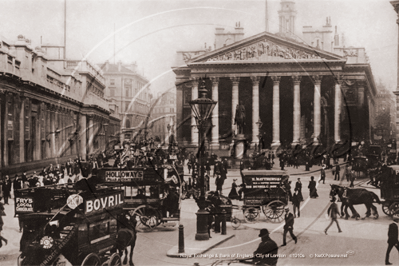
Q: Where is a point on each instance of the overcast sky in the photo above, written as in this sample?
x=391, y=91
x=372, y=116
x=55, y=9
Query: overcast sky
x=150, y=32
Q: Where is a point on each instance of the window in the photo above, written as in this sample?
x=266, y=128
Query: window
x=112, y=92
x=127, y=93
x=112, y=82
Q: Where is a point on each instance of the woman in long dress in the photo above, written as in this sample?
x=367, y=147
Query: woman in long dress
x=298, y=186
x=312, y=188
x=233, y=192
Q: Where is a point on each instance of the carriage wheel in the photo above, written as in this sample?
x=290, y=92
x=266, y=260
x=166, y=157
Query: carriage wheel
x=115, y=260
x=91, y=260
x=250, y=214
x=274, y=211
x=385, y=208
x=146, y=216
x=235, y=222
x=394, y=208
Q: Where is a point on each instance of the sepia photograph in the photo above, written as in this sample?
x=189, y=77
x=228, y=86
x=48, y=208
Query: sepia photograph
x=199, y=132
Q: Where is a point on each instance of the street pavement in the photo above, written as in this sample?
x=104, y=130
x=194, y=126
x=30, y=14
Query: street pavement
x=362, y=242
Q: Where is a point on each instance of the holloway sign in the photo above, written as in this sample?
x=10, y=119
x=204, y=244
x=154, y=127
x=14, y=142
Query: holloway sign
x=123, y=175
x=104, y=202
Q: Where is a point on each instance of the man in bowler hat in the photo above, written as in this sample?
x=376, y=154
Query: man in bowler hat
x=392, y=238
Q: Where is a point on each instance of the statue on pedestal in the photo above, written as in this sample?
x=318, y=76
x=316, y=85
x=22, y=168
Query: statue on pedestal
x=239, y=119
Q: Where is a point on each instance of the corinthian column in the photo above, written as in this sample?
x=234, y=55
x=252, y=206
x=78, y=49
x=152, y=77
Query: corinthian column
x=255, y=110
x=316, y=109
x=297, y=110
x=337, y=110
x=194, y=95
x=234, y=101
x=276, y=111
x=215, y=113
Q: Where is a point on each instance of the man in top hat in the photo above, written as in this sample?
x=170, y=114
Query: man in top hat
x=392, y=238
x=288, y=226
x=266, y=253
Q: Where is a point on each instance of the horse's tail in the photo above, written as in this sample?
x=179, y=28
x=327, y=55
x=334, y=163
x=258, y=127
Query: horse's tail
x=375, y=196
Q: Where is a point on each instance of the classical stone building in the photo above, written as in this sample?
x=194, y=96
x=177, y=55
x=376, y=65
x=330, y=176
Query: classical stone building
x=164, y=116
x=129, y=92
x=52, y=109
x=316, y=92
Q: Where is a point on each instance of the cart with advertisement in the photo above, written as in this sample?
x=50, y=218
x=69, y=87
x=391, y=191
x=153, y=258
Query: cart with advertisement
x=266, y=191
x=389, y=187
x=63, y=225
x=151, y=194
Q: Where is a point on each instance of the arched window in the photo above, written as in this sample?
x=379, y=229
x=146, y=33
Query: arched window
x=127, y=123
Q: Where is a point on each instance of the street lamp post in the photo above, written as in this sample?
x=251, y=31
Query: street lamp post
x=202, y=109
x=260, y=124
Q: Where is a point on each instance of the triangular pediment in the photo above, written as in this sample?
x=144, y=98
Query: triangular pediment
x=265, y=47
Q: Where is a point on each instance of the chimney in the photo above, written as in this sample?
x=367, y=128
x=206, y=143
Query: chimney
x=106, y=65
x=336, y=37
x=119, y=65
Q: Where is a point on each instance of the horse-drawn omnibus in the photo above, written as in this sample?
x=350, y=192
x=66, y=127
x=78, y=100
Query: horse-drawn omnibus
x=70, y=225
x=151, y=195
x=266, y=191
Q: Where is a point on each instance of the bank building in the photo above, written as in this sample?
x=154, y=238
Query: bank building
x=295, y=90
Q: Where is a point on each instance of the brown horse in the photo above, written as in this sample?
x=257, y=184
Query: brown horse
x=126, y=237
x=355, y=196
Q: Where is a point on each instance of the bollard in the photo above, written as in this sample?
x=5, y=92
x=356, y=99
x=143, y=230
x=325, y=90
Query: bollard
x=224, y=222
x=181, y=238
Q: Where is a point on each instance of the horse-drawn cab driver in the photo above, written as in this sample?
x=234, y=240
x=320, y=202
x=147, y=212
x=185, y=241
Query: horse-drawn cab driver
x=266, y=253
x=140, y=194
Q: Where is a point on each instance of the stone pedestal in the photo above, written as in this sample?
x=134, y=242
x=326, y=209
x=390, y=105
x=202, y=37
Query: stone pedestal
x=239, y=146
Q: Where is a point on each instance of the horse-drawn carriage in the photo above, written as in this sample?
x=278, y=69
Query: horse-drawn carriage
x=151, y=194
x=68, y=225
x=266, y=191
x=360, y=164
x=389, y=186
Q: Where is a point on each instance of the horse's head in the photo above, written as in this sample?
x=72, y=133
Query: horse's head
x=335, y=190
x=127, y=221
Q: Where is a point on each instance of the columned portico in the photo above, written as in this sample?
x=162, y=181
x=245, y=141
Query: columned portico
x=234, y=101
x=337, y=110
x=316, y=109
x=297, y=110
x=215, y=113
x=276, y=111
x=194, y=95
x=255, y=110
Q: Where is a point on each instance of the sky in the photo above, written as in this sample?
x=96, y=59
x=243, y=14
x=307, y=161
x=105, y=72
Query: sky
x=150, y=32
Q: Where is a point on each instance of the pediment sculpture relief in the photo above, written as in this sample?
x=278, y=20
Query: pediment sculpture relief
x=265, y=47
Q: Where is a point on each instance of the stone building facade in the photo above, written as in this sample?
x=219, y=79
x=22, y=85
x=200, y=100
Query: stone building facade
x=164, y=117
x=299, y=93
x=52, y=109
x=130, y=93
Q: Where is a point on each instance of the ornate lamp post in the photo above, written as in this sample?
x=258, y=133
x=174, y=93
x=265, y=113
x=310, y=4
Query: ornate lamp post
x=260, y=124
x=202, y=109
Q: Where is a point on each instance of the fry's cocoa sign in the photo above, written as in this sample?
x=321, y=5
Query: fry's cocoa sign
x=23, y=205
x=103, y=202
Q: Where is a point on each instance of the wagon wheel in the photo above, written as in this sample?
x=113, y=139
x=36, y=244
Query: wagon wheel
x=250, y=214
x=394, y=208
x=91, y=260
x=115, y=260
x=385, y=208
x=274, y=211
x=146, y=216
